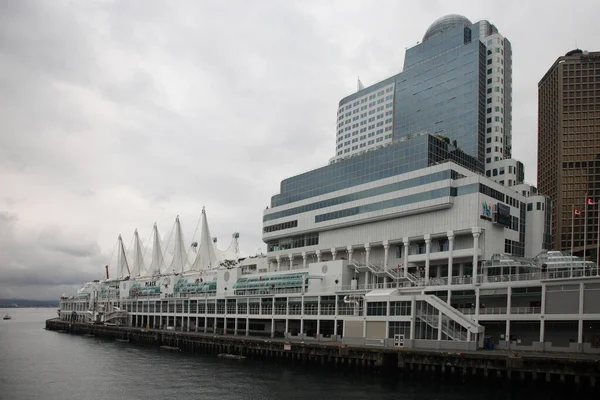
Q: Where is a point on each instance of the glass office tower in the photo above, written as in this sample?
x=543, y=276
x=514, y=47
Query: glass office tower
x=456, y=84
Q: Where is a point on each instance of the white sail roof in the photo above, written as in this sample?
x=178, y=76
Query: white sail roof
x=209, y=256
x=158, y=260
x=180, y=256
x=122, y=263
x=137, y=265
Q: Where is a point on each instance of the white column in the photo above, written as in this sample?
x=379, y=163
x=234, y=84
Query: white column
x=291, y=257
x=476, y=232
x=318, y=253
x=350, y=251
x=367, y=252
x=278, y=258
x=386, y=254
x=333, y=253
x=477, y=302
x=427, y=254
x=406, y=244
x=413, y=317
x=304, y=259
x=450, y=258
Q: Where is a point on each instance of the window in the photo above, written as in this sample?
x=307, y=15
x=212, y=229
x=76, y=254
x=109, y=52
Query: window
x=377, y=308
x=399, y=308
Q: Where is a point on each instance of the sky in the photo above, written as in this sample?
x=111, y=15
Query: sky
x=115, y=115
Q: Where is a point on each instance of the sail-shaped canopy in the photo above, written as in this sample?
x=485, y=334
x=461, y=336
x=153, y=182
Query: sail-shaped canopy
x=158, y=260
x=209, y=256
x=180, y=255
x=122, y=263
x=138, y=266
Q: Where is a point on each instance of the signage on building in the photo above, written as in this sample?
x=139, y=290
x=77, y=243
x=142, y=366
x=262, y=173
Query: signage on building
x=486, y=211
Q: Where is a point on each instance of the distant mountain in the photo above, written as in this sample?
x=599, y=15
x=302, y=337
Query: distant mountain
x=9, y=303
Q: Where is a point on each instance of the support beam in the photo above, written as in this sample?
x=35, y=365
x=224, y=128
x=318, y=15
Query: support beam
x=427, y=255
x=406, y=244
x=476, y=233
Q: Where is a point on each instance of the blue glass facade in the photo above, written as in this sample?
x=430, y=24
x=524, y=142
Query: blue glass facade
x=442, y=90
x=397, y=158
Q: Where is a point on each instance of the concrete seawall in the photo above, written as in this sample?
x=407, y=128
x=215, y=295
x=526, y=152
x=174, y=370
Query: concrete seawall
x=566, y=369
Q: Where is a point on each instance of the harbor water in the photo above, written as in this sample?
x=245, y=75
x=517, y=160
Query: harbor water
x=38, y=364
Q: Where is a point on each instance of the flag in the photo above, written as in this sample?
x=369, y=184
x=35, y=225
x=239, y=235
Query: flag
x=589, y=201
x=576, y=211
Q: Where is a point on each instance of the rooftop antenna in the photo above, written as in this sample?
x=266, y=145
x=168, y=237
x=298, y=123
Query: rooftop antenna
x=359, y=85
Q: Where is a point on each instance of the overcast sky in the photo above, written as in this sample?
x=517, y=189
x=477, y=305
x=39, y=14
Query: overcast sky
x=118, y=114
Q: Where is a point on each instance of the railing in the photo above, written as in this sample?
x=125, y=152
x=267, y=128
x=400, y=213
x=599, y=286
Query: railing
x=501, y=310
x=311, y=311
x=280, y=310
x=266, y=291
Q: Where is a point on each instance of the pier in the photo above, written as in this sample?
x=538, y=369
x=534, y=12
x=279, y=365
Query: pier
x=566, y=369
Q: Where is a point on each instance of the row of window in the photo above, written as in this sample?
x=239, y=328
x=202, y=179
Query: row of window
x=346, y=123
x=278, y=227
x=379, y=308
x=311, y=239
x=381, y=205
x=365, y=99
x=364, y=194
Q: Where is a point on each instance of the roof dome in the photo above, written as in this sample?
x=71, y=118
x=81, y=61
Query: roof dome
x=444, y=23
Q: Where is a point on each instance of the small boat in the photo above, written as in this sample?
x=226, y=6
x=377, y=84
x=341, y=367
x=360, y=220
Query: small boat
x=170, y=348
x=122, y=340
x=231, y=356
x=7, y=316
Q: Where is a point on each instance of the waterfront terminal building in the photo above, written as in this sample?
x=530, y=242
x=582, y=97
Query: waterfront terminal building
x=405, y=243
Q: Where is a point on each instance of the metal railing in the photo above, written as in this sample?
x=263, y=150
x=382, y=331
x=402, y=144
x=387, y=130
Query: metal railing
x=501, y=310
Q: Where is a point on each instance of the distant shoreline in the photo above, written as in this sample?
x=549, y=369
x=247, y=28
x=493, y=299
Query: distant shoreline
x=25, y=303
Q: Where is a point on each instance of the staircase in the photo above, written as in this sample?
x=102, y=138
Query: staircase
x=380, y=271
x=433, y=321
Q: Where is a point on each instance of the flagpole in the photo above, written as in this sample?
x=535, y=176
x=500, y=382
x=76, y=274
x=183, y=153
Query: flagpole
x=585, y=228
x=572, y=227
x=598, y=240
x=572, y=235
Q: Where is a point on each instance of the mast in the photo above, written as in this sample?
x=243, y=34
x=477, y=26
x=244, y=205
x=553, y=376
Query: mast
x=138, y=256
x=123, y=264
x=179, y=254
x=158, y=261
x=207, y=257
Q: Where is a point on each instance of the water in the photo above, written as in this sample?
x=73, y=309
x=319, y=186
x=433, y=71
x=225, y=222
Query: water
x=39, y=364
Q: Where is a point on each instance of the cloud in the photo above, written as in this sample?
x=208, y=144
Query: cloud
x=116, y=115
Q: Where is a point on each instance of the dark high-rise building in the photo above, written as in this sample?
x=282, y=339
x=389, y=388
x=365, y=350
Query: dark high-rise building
x=569, y=146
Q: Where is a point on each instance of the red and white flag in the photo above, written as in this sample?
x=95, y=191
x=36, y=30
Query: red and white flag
x=576, y=211
x=589, y=201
